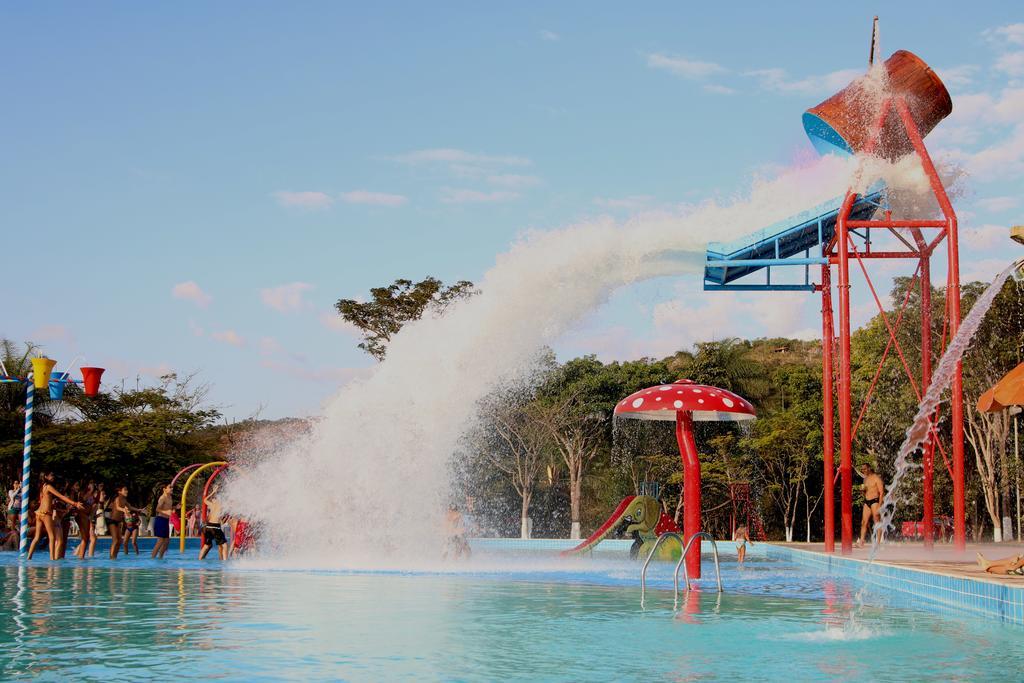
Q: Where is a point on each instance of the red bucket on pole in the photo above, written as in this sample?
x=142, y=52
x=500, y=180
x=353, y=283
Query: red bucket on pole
x=91, y=380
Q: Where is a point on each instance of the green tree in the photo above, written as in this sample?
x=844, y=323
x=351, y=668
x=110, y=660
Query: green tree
x=393, y=306
x=139, y=437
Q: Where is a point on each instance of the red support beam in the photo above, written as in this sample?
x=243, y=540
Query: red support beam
x=953, y=314
x=828, y=419
x=845, y=445
x=883, y=255
x=928, y=451
x=896, y=224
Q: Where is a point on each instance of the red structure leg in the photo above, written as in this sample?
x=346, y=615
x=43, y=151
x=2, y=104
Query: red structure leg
x=828, y=419
x=691, y=489
x=845, y=445
x=957, y=395
x=928, y=451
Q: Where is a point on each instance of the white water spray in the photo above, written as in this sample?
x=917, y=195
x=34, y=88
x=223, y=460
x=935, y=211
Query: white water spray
x=919, y=431
x=368, y=488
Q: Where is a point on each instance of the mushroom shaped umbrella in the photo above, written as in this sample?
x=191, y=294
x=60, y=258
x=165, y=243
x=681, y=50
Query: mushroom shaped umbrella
x=685, y=401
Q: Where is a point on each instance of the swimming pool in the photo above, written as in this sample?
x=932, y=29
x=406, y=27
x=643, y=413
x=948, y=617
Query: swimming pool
x=505, y=616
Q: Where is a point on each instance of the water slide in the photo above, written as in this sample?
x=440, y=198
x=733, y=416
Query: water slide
x=610, y=524
x=640, y=515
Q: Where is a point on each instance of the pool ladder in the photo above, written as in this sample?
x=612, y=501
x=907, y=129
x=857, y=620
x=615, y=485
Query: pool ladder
x=681, y=563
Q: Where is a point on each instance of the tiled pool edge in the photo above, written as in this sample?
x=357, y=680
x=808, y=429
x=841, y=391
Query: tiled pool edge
x=985, y=598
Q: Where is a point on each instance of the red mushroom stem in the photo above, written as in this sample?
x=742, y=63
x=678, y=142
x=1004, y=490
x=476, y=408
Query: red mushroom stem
x=691, y=488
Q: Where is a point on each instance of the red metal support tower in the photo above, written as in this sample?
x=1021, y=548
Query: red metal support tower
x=840, y=252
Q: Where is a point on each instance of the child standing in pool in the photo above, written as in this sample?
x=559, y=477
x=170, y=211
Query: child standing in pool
x=741, y=537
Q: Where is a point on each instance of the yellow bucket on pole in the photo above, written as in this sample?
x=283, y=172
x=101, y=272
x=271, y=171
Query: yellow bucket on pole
x=41, y=370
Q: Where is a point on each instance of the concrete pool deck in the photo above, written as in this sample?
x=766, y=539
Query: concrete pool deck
x=942, y=559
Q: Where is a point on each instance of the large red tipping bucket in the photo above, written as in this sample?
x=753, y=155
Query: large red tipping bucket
x=843, y=122
x=91, y=380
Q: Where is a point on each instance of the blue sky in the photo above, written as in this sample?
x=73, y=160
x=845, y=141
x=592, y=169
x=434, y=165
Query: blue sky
x=191, y=187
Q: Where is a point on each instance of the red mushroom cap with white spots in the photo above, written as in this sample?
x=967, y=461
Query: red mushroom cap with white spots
x=705, y=403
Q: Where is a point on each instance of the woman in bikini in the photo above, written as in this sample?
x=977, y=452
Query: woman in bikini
x=44, y=516
x=86, y=518
x=741, y=538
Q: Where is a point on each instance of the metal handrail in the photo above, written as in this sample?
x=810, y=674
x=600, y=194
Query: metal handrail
x=682, y=563
x=643, y=572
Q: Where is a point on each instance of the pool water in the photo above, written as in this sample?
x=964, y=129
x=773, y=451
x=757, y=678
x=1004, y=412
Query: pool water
x=500, y=617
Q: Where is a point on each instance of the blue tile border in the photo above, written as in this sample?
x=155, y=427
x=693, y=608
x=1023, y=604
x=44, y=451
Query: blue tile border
x=978, y=596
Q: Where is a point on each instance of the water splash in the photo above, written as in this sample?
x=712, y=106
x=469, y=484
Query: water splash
x=919, y=431
x=369, y=485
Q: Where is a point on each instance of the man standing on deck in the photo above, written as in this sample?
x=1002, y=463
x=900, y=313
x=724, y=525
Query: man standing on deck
x=874, y=494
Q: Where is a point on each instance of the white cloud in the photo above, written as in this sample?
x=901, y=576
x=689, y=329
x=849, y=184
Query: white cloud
x=190, y=291
x=334, y=322
x=549, y=36
x=958, y=76
x=778, y=80
x=1004, y=159
x=1011, y=33
x=513, y=180
x=446, y=155
x=998, y=204
x=985, y=236
x=337, y=375
x=684, y=68
x=452, y=195
x=303, y=200
x=229, y=337
x=373, y=198
x=635, y=201
x=55, y=333
x=158, y=370
x=1011, y=63
x=719, y=89
x=269, y=346
x=286, y=298
x=982, y=270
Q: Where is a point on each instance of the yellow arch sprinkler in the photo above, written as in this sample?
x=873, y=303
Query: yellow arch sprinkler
x=184, y=493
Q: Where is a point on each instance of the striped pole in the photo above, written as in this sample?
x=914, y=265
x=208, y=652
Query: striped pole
x=26, y=463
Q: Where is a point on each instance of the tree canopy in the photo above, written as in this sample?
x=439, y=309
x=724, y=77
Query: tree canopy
x=391, y=307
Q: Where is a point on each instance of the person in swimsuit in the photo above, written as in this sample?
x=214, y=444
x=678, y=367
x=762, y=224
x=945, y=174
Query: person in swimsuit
x=242, y=538
x=874, y=494
x=132, y=520
x=741, y=538
x=456, y=530
x=102, y=513
x=162, y=522
x=120, y=508
x=14, y=505
x=86, y=517
x=44, y=517
x=62, y=516
x=1011, y=566
x=212, y=531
